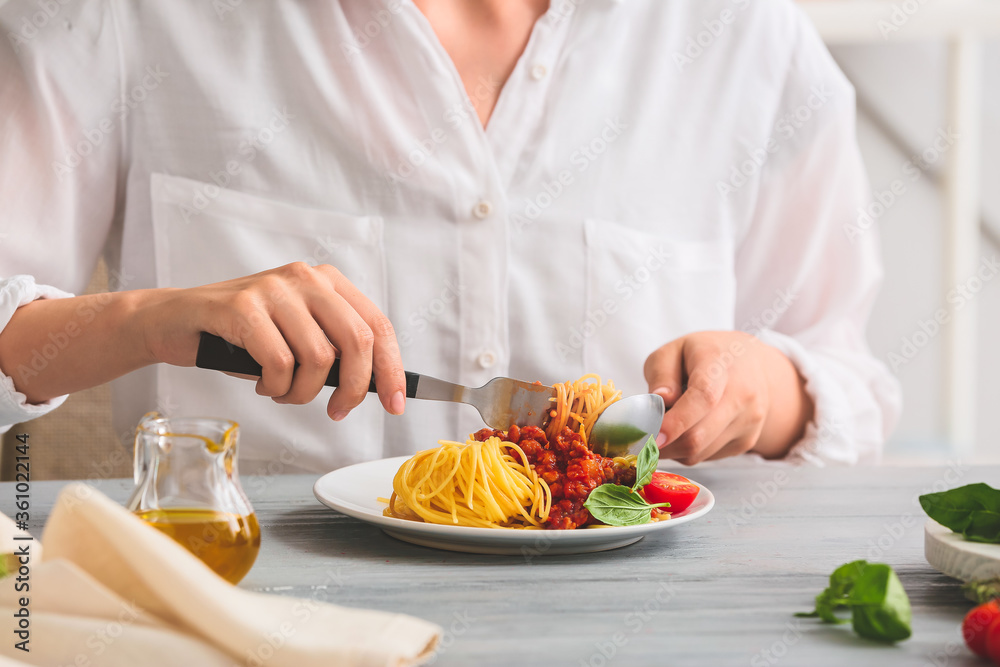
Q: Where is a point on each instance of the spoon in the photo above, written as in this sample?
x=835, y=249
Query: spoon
x=625, y=426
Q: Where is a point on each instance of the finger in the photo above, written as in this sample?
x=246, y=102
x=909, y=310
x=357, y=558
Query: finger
x=312, y=349
x=729, y=445
x=743, y=436
x=664, y=371
x=706, y=385
x=345, y=328
x=268, y=347
x=387, y=364
x=733, y=446
x=705, y=438
x=738, y=438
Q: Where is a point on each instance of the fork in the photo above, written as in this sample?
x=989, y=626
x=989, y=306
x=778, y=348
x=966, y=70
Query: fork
x=501, y=401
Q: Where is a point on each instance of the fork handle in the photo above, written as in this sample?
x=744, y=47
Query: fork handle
x=217, y=354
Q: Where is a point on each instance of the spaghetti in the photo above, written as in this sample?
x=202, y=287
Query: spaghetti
x=578, y=405
x=487, y=484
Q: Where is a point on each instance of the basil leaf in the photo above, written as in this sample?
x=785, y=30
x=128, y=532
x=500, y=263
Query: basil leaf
x=844, y=577
x=616, y=505
x=826, y=605
x=841, y=582
x=880, y=609
x=972, y=510
x=645, y=464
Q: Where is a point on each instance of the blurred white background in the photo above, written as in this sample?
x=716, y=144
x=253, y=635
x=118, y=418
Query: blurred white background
x=904, y=91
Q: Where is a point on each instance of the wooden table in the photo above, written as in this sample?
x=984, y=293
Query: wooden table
x=718, y=591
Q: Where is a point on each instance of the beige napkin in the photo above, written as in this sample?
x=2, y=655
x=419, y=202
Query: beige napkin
x=113, y=592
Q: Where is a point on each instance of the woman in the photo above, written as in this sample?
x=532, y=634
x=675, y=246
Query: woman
x=462, y=189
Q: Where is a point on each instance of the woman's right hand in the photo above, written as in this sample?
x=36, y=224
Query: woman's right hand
x=294, y=313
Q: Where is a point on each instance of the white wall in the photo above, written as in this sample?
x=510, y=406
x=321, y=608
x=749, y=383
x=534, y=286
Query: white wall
x=906, y=85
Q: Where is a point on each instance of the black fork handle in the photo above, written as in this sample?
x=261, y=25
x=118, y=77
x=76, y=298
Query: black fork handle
x=218, y=354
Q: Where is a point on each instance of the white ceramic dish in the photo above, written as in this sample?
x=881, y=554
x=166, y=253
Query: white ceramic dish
x=354, y=491
x=957, y=557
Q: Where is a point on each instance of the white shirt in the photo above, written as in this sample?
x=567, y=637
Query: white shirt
x=652, y=168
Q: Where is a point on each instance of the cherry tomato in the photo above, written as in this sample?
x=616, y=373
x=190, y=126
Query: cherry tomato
x=666, y=487
x=993, y=641
x=977, y=626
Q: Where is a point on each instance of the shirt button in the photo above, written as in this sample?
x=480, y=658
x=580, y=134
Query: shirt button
x=482, y=209
x=538, y=72
x=487, y=359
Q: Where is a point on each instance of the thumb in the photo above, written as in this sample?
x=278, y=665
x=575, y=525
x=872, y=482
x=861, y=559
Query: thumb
x=664, y=371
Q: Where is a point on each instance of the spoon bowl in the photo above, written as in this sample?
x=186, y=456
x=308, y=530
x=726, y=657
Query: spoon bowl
x=625, y=426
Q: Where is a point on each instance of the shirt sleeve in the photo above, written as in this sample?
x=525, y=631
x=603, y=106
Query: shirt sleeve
x=62, y=123
x=15, y=292
x=61, y=126
x=807, y=273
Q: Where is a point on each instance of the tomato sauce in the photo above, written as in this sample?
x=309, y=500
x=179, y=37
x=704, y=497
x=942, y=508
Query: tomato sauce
x=568, y=466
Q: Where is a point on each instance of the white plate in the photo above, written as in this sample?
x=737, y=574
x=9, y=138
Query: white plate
x=354, y=491
x=957, y=557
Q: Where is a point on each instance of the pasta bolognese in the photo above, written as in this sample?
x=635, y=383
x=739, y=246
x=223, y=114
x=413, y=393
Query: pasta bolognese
x=524, y=477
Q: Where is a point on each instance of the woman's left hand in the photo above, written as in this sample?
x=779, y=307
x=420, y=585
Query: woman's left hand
x=727, y=393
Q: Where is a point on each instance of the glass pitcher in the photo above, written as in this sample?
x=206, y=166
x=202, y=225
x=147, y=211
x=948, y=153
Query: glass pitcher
x=187, y=486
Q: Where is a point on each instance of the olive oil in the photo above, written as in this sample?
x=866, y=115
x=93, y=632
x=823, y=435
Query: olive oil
x=226, y=542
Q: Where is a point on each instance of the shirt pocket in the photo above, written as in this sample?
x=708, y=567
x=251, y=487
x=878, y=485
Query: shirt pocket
x=204, y=234
x=644, y=290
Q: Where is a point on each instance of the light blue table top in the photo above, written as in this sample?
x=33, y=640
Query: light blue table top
x=718, y=591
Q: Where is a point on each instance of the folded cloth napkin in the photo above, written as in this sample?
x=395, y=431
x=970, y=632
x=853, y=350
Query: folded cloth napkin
x=111, y=591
